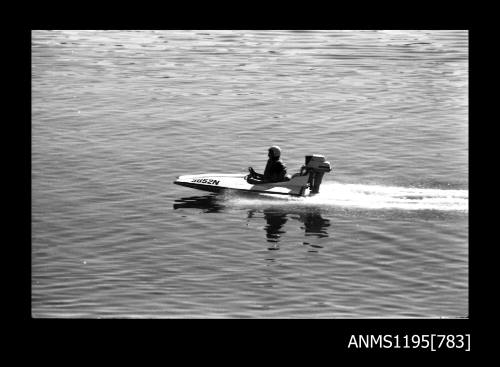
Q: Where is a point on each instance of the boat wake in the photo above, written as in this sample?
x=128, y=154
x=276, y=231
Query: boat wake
x=366, y=197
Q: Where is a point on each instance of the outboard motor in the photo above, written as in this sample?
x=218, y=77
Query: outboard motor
x=316, y=166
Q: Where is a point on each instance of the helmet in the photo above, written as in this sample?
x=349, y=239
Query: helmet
x=276, y=150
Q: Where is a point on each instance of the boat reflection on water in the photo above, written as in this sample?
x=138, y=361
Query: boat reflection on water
x=274, y=228
x=207, y=203
x=314, y=225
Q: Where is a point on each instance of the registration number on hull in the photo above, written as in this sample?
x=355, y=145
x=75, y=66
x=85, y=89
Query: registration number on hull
x=208, y=181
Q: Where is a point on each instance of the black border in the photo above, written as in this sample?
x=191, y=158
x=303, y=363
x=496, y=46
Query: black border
x=309, y=335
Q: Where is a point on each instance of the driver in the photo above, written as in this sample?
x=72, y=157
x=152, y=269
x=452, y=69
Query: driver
x=275, y=169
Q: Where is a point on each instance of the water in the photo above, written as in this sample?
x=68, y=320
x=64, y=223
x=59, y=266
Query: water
x=117, y=115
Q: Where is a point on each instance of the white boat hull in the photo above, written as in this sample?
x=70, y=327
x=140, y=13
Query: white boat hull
x=217, y=182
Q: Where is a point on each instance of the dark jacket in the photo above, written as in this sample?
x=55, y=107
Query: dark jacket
x=275, y=171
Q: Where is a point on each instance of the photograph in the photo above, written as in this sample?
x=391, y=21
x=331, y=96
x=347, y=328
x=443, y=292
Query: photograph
x=251, y=174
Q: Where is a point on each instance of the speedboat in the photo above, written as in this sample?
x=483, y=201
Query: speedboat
x=303, y=183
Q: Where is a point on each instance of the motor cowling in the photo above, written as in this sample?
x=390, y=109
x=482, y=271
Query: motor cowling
x=318, y=163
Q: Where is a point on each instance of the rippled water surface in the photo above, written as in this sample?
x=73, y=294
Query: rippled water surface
x=117, y=115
